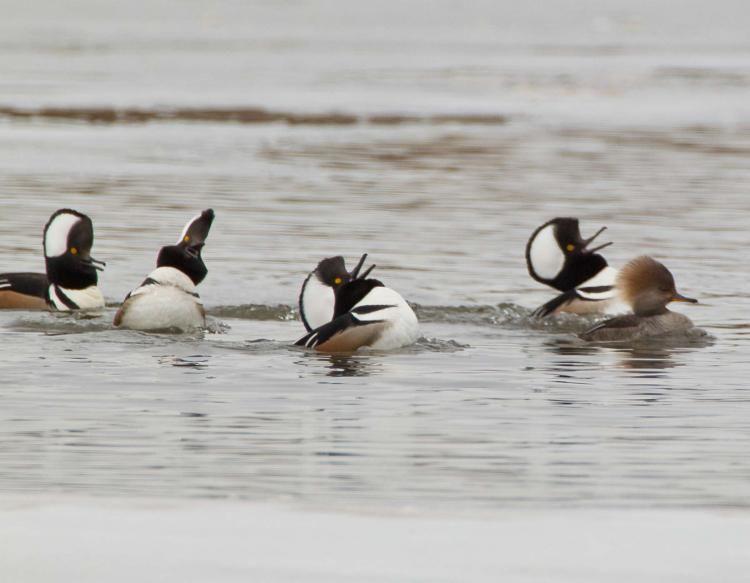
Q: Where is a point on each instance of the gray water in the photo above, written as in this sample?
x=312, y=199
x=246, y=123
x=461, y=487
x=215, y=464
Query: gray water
x=434, y=136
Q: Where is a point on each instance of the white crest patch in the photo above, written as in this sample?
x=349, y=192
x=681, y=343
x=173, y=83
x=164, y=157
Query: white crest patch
x=56, y=236
x=547, y=259
x=317, y=302
x=187, y=226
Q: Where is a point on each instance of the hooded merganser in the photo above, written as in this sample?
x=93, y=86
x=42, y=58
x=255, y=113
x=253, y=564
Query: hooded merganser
x=557, y=256
x=167, y=298
x=366, y=314
x=70, y=282
x=317, y=297
x=647, y=286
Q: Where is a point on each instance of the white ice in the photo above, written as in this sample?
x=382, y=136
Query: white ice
x=78, y=540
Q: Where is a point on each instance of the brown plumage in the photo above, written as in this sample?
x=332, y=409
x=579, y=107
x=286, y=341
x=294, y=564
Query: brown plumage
x=648, y=286
x=10, y=300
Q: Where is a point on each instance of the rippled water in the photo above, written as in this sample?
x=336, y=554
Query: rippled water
x=435, y=141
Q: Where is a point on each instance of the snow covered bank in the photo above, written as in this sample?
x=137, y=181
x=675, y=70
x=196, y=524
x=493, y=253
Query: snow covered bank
x=82, y=541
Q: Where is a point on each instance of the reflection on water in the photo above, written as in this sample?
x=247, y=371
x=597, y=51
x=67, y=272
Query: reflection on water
x=198, y=362
x=346, y=365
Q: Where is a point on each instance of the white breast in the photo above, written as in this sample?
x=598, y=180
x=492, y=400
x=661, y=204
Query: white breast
x=170, y=303
x=605, y=302
x=317, y=302
x=402, y=325
x=545, y=255
x=90, y=298
x=606, y=276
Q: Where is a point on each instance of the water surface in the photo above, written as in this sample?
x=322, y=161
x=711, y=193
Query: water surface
x=434, y=139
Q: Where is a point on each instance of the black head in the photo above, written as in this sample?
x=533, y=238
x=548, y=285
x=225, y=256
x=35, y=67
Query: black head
x=68, y=239
x=558, y=256
x=332, y=271
x=185, y=255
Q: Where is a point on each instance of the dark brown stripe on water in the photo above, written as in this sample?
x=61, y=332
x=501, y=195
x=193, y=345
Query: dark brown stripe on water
x=243, y=115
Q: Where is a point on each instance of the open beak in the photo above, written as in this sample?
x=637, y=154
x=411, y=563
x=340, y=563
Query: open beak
x=355, y=272
x=194, y=251
x=95, y=263
x=678, y=297
x=587, y=242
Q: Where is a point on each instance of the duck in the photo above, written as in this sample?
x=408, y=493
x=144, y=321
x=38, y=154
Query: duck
x=648, y=287
x=366, y=314
x=70, y=282
x=558, y=256
x=317, y=298
x=168, y=299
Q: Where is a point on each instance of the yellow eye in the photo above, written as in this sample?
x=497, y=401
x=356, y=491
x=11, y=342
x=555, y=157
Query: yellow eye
x=186, y=238
x=337, y=281
x=570, y=247
x=73, y=251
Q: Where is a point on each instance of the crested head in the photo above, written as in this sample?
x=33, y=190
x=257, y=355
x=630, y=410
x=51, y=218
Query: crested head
x=185, y=255
x=68, y=239
x=61, y=225
x=317, y=298
x=332, y=272
x=196, y=229
x=648, y=286
x=558, y=256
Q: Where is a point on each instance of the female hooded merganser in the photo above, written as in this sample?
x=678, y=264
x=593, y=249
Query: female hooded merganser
x=647, y=286
x=557, y=256
x=71, y=279
x=167, y=298
x=317, y=297
x=366, y=314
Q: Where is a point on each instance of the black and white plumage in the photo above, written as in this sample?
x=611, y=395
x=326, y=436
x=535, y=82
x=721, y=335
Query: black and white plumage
x=167, y=299
x=70, y=281
x=367, y=314
x=317, y=298
x=557, y=256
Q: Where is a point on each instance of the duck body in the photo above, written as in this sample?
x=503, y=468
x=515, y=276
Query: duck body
x=597, y=295
x=558, y=256
x=367, y=315
x=647, y=286
x=631, y=327
x=317, y=298
x=167, y=299
x=24, y=291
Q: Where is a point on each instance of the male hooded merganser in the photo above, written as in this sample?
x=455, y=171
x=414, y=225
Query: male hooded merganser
x=317, y=297
x=71, y=278
x=557, y=256
x=167, y=298
x=366, y=314
x=647, y=286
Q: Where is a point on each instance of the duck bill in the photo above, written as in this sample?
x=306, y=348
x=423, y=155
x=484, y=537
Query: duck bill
x=355, y=273
x=590, y=240
x=678, y=297
x=194, y=250
x=95, y=263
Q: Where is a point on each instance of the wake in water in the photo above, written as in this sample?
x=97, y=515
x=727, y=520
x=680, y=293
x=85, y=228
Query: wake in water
x=507, y=316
